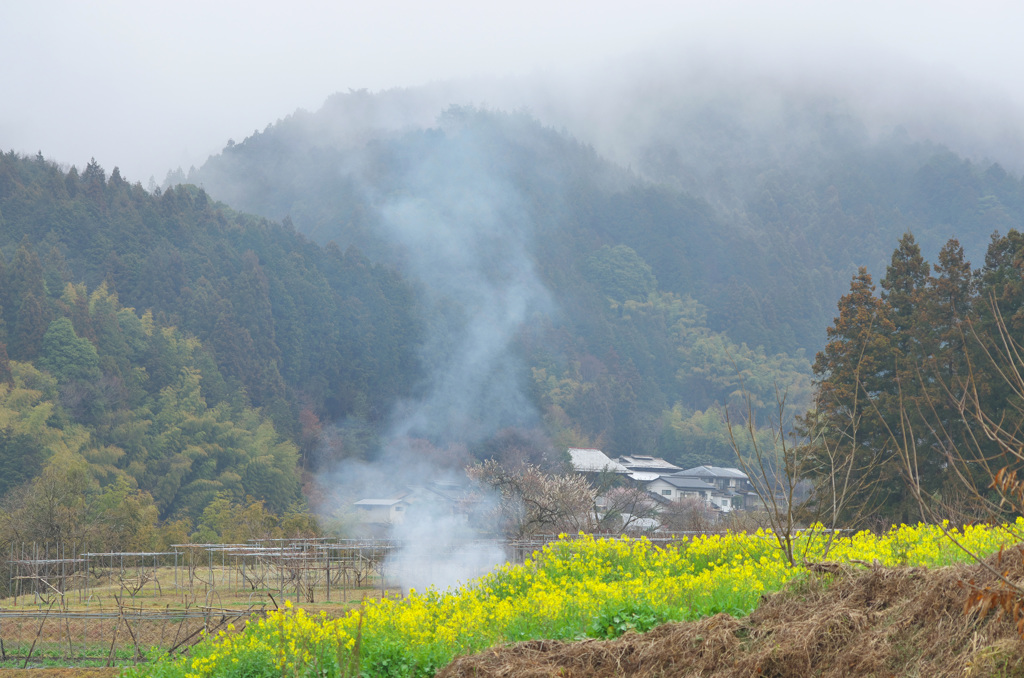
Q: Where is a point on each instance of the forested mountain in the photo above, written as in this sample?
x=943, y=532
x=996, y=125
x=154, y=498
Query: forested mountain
x=287, y=321
x=759, y=205
x=610, y=267
x=103, y=279
x=747, y=227
x=169, y=343
x=479, y=285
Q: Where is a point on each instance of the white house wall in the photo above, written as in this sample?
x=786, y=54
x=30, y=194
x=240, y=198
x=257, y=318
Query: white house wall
x=673, y=493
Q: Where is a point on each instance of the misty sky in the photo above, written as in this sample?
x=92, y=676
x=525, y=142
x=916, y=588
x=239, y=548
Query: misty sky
x=152, y=86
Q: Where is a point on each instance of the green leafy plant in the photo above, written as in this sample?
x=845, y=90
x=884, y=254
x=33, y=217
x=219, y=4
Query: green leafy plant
x=630, y=616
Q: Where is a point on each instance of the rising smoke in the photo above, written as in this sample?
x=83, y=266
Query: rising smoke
x=464, y=234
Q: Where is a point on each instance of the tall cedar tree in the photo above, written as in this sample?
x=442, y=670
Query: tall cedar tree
x=857, y=365
x=906, y=291
x=860, y=347
x=5, y=297
x=903, y=290
x=30, y=325
x=951, y=292
x=902, y=362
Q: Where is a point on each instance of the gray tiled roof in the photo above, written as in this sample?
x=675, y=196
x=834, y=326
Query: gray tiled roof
x=594, y=461
x=647, y=463
x=379, y=502
x=712, y=472
x=687, y=483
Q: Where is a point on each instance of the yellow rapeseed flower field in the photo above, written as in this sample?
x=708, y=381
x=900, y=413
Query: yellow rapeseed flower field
x=573, y=588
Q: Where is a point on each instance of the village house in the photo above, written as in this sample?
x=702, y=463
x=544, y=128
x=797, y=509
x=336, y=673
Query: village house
x=732, y=486
x=723, y=489
x=436, y=498
x=674, y=488
x=601, y=472
x=645, y=468
x=591, y=462
x=724, y=478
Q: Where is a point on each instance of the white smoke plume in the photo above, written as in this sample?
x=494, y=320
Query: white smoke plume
x=464, y=236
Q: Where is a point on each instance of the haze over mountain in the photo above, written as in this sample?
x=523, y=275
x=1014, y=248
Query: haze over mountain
x=758, y=203
x=809, y=180
x=611, y=255
x=148, y=88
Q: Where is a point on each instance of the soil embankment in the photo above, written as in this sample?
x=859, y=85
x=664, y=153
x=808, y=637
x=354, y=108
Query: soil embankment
x=846, y=622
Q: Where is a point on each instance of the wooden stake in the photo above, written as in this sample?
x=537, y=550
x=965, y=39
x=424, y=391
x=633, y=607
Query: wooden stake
x=38, y=633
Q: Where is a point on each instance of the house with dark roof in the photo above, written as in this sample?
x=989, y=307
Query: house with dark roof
x=724, y=478
x=674, y=488
x=732, y=486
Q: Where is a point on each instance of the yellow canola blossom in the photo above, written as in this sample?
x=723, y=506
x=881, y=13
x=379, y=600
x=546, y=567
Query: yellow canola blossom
x=571, y=588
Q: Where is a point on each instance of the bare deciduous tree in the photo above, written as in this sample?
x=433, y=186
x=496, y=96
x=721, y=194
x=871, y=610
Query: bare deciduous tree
x=531, y=501
x=773, y=470
x=830, y=454
x=983, y=450
x=982, y=446
x=689, y=514
x=626, y=508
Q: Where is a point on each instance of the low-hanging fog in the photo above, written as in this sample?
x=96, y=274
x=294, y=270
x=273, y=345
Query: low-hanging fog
x=153, y=87
x=709, y=118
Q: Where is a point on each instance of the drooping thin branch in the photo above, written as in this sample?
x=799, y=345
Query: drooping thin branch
x=963, y=455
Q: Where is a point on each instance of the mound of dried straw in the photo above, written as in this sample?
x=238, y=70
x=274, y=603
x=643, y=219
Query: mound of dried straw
x=838, y=622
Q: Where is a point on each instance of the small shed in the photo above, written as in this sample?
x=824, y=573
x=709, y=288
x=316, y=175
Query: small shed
x=383, y=511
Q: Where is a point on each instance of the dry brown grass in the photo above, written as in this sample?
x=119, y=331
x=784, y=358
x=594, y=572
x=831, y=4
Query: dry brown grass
x=844, y=622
